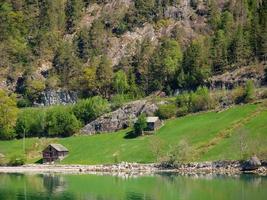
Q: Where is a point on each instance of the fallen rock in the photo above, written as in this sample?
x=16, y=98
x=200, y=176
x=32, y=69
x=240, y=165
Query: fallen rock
x=252, y=164
x=120, y=118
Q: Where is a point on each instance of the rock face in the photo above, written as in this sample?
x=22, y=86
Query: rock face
x=121, y=118
x=252, y=164
x=191, y=22
x=238, y=77
x=52, y=97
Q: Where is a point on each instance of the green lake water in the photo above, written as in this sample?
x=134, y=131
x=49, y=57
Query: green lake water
x=156, y=187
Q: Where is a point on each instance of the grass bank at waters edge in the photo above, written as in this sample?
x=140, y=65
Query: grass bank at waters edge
x=212, y=135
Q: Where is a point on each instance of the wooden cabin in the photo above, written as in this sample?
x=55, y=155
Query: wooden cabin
x=153, y=123
x=54, y=152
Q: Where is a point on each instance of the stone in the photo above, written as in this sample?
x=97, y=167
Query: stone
x=238, y=77
x=252, y=164
x=120, y=118
x=56, y=97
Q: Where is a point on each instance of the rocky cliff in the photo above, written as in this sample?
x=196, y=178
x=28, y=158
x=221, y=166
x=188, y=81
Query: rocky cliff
x=239, y=77
x=56, y=97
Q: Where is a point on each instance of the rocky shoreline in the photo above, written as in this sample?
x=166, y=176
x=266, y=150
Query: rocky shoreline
x=217, y=167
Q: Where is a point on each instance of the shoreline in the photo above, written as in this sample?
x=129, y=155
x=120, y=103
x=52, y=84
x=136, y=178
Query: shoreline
x=222, y=167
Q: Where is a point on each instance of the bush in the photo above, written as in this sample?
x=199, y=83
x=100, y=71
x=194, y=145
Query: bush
x=140, y=125
x=238, y=95
x=17, y=161
x=8, y=115
x=22, y=103
x=61, y=121
x=118, y=100
x=89, y=109
x=264, y=94
x=180, y=153
x=249, y=92
x=182, y=111
x=200, y=100
x=31, y=122
x=166, y=111
x=183, y=100
x=244, y=94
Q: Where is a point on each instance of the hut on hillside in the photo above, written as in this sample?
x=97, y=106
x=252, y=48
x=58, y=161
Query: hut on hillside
x=153, y=123
x=54, y=152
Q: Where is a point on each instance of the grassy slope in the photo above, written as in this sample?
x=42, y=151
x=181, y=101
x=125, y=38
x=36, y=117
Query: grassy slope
x=212, y=135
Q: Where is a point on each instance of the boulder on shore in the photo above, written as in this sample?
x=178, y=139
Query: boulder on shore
x=120, y=118
x=252, y=164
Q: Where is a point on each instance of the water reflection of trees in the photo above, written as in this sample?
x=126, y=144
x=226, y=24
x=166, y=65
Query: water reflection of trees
x=54, y=183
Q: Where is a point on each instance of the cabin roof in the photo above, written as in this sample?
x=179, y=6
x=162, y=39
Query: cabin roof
x=59, y=147
x=152, y=119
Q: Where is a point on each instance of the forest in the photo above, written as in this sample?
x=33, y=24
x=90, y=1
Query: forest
x=35, y=30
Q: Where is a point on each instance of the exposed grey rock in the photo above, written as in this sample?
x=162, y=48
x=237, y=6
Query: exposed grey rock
x=120, y=118
x=52, y=97
x=238, y=77
x=252, y=164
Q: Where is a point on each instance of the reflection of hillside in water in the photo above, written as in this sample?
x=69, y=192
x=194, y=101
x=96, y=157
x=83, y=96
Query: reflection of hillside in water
x=170, y=186
x=54, y=183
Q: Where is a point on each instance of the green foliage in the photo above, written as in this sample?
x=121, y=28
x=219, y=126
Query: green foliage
x=61, y=122
x=140, y=125
x=24, y=102
x=240, y=48
x=35, y=31
x=219, y=52
x=118, y=100
x=73, y=13
x=179, y=153
x=8, y=115
x=89, y=109
x=66, y=66
x=166, y=111
x=238, y=95
x=198, y=130
x=249, y=94
x=104, y=75
x=120, y=82
x=17, y=160
x=244, y=94
x=31, y=122
x=166, y=62
x=183, y=100
x=182, y=111
x=201, y=100
x=196, y=64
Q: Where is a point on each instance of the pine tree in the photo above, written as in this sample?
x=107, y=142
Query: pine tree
x=73, y=14
x=219, y=51
x=240, y=50
x=104, y=76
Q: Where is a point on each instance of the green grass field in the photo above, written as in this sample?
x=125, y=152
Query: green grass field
x=211, y=136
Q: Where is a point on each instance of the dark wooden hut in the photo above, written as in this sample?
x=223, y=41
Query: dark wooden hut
x=54, y=152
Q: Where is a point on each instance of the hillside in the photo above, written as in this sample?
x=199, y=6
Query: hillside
x=57, y=51
x=210, y=136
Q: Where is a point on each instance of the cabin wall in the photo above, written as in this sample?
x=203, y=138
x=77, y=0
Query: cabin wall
x=50, y=155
